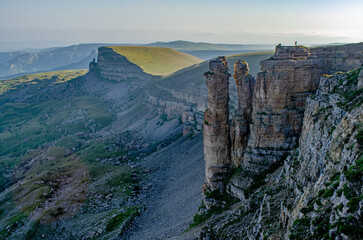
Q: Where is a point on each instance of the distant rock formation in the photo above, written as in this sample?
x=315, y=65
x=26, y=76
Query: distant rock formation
x=270, y=113
x=113, y=66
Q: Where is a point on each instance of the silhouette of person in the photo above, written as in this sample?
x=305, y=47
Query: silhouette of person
x=295, y=43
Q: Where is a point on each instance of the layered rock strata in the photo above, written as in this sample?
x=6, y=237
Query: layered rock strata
x=270, y=111
x=240, y=125
x=216, y=126
x=278, y=105
x=316, y=193
x=113, y=66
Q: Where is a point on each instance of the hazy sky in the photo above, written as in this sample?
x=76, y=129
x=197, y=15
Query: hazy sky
x=141, y=21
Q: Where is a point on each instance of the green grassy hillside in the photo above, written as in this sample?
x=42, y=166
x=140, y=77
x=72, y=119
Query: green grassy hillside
x=194, y=74
x=61, y=76
x=157, y=60
x=51, y=161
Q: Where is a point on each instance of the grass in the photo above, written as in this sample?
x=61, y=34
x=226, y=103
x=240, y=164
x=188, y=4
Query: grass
x=159, y=61
x=28, y=126
x=120, y=218
x=61, y=76
x=193, y=75
x=44, y=174
x=12, y=224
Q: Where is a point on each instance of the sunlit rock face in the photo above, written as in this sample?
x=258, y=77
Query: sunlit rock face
x=216, y=126
x=270, y=113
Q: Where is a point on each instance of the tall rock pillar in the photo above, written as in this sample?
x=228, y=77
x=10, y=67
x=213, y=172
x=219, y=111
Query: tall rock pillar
x=240, y=126
x=215, y=128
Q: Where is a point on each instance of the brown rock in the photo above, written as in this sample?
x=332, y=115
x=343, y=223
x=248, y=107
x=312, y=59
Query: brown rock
x=240, y=125
x=215, y=127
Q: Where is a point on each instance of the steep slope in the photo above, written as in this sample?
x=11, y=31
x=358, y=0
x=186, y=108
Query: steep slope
x=72, y=158
x=156, y=60
x=46, y=59
x=251, y=159
x=317, y=193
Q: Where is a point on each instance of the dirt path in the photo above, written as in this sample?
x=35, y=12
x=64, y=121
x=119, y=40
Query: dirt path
x=175, y=192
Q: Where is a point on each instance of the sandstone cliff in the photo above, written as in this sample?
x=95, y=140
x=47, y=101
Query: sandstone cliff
x=317, y=192
x=215, y=128
x=293, y=154
x=270, y=112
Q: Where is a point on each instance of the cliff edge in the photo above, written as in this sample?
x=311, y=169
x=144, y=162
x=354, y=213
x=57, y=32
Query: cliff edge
x=124, y=62
x=294, y=149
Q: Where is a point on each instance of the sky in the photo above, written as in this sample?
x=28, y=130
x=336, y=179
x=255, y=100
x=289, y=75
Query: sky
x=36, y=23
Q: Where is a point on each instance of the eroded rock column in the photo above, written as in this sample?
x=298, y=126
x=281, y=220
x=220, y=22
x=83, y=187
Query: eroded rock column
x=240, y=126
x=215, y=128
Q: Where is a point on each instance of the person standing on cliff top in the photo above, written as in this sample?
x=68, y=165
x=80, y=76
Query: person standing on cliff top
x=295, y=43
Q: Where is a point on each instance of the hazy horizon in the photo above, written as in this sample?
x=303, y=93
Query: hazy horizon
x=40, y=23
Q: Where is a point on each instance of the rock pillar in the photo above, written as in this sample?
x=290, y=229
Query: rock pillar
x=216, y=128
x=240, y=126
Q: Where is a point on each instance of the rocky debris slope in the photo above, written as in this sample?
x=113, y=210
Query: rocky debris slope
x=176, y=170
x=317, y=192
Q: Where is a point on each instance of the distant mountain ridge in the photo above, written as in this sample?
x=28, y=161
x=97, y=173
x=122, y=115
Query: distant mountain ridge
x=203, y=46
x=14, y=64
x=18, y=63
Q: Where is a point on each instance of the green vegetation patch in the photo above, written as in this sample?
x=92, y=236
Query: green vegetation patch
x=12, y=223
x=224, y=197
x=60, y=77
x=28, y=126
x=300, y=229
x=157, y=60
x=126, y=215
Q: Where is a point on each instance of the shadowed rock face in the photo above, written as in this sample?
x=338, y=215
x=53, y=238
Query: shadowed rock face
x=113, y=66
x=270, y=111
x=216, y=127
x=240, y=124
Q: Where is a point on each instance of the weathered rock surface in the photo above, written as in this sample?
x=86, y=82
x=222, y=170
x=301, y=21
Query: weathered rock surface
x=316, y=194
x=113, y=66
x=216, y=127
x=269, y=118
x=240, y=126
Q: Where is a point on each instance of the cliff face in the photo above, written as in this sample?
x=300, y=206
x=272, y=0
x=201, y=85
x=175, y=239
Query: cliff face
x=278, y=105
x=240, y=127
x=113, y=66
x=215, y=127
x=316, y=194
x=270, y=113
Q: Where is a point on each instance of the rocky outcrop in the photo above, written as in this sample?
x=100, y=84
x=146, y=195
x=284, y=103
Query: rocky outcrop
x=317, y=192
x=240, y=125
x=269, y=118
x=339, y=58
x=216, y=126
x=113, y=66
x=278, y=106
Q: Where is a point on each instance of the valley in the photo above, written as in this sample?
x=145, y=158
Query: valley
x=116, y=152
